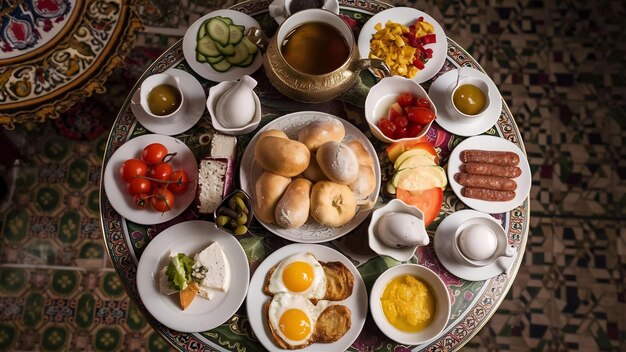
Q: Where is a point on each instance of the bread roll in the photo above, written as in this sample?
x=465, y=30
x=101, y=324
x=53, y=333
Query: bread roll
x=321, y=131
x=269, y=188
x=332, y=204
x=275, y=133
x=362, y=155
x=292, y=209
x=338, y=162
x=313, y=172
x=365, y=184
x=281, y=156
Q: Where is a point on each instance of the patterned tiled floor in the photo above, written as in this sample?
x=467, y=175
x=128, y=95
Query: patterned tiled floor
x=560, y=66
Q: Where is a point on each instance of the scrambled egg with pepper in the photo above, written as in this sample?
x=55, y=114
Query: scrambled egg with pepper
x=408, y=303
x=390, y=45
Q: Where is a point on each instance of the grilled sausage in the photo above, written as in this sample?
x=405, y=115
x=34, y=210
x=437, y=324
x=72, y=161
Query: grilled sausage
x=487, y=194
x=489, y=157
x=483, y=181
x=491, y=170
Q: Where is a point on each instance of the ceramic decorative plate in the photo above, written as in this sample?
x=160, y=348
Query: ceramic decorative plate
x=191, y=237
x=204, y=69
x=490, y=143
x=440, y=92
x=115, y=187
x=311, y=231
x=195, y=101
x=406, y=16
x=357, y=302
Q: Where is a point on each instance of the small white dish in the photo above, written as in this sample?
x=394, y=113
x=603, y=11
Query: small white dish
x=383, y=94
x=311, y=231
x=440, y=92
x=377, y=245
x=191, y=237
x=280, y=9
x=357, y=302
x=182, y=120
x=444, y=248
x=495, y=144
x=215, y=93
x=115, y=187
x=204, y=69
x=406, y=16
x=439, y=291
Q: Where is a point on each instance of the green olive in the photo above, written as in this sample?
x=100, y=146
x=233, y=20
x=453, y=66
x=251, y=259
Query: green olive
x=241, y=205
x=222, y=220
x=241, y=230
x=242, y=219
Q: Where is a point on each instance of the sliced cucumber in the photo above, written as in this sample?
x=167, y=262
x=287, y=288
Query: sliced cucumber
x=236, y=33
x=240, y=55
x=218, y=30
x=248, y=61
x=221, y=66
x=200, y=57
x=227, y=50
x=214, y=59
x=202, y=30
x=207, y=47
x=252, y=49
x=226, y=20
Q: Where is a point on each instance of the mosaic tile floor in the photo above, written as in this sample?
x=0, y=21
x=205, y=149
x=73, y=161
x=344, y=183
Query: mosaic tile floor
x=559, y=65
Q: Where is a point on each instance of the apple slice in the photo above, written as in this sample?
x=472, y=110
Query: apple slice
x=423, y=149
x=420, y=178
x=417, y=160
x=429, y=201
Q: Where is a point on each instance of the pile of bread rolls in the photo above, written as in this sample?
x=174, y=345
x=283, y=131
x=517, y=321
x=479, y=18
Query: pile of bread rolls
x=319, y=175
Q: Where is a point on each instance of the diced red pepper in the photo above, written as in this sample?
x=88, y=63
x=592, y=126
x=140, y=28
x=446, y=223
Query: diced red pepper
x=428, y=39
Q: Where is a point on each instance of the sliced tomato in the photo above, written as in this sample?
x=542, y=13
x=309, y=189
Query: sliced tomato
x=428, y=201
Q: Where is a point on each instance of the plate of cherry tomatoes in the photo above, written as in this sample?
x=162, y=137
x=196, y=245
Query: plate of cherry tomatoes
x=151, y=179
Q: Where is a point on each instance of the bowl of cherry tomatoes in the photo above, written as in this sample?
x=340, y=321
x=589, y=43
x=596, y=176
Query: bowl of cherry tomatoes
x=399, y=109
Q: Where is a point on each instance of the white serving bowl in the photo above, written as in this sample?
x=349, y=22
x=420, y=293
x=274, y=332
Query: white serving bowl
x=439, y=291
x=215, y=93
x=384, y=92
x=377, y=245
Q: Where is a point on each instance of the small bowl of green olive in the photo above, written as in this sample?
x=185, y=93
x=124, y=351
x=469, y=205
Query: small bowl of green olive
x=234, y=214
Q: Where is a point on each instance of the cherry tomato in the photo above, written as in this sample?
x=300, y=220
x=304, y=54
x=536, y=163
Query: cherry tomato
x=423, y=103
x=141, y=200
x=132, y=168
x=400, y=121
x=181, y=181
x=162, y=199
x=139, y=185
x=401, y=132
x=161, y=172
x=413, y=130
x=406, y=99
x=419, y=115
x=387, y=127
x=154, y=153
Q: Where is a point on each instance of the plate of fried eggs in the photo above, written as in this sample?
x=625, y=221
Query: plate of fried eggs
x=307, y=297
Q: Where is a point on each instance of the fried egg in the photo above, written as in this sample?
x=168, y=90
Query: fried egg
x=300, y=274
x=293, y=317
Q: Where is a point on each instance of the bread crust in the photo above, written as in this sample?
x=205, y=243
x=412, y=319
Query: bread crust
x=319, y=132
x=269, y=188
x=281, y=156
x=332, y=204
x=332, y=324
x=292, y=210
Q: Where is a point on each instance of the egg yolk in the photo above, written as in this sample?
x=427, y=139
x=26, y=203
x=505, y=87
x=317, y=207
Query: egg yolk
x=298, y=276
x=469, y=99
x=408, y=303
x=295, y=324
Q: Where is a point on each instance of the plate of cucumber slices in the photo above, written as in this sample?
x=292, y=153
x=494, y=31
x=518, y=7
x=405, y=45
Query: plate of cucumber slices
x=216, y=47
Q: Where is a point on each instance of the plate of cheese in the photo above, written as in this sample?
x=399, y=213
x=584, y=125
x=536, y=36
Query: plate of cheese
x=193, y=277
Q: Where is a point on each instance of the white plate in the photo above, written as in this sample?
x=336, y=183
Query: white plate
x=406, y=16
x=491, y=143
x=444, y=238
x=204, y=69
x=279, y=13
x=311, y=231
x=439, y=93
x=357, y=302
x=190, y=238
x=115, y=187
x=195, y=100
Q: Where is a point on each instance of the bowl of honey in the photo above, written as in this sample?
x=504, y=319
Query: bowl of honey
x=161, y=96
x=468, y=96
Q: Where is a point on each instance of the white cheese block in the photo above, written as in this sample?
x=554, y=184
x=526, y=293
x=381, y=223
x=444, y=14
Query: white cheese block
x=212, y=181
x=223, y=146
x=217, y=277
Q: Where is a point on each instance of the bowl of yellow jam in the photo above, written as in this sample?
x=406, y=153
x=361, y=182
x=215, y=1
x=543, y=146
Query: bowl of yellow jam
x=410, y=304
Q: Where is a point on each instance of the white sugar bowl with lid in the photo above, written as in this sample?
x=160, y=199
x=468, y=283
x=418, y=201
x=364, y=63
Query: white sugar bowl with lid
x=396, y=230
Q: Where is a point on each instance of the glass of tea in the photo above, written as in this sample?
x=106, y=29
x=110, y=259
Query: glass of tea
x=160, y=95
